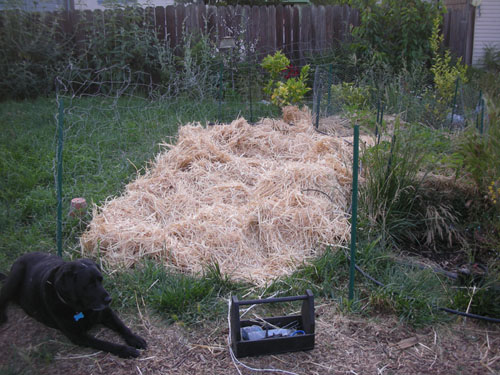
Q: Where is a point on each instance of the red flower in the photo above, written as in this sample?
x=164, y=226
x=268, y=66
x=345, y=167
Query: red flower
x=291, y=71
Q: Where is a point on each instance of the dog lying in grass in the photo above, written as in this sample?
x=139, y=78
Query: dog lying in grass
x=68, y=296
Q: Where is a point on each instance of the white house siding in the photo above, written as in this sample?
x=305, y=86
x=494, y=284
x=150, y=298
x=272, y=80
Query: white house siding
x=486, y=28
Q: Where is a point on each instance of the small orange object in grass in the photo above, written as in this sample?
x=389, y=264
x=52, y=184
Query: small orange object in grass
x=78, y=207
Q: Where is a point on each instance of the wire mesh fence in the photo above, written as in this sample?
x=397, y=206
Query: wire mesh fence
x=123, y=117
x=366, y=100
x=219, y=92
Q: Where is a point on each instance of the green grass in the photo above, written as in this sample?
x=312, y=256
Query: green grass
x=106, y=143
x=176, y=296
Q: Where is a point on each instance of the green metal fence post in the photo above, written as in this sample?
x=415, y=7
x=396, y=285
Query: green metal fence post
x=318, y=104
x=381, y=122
x=454, y=101
x=221, y=73
x=250, y=91
x=354, y=209
x=478, y=108
x=330, y=81
x=60, y=126
x=481, y=127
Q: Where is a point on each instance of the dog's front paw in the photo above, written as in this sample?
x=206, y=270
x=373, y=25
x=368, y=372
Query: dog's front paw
x=136, y=341
x=127, y=352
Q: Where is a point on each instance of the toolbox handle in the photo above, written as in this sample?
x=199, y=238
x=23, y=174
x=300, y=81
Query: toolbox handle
x=271, y=300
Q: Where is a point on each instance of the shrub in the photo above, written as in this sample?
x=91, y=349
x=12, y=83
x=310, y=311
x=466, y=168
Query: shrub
x=31, y=56
x=394, y=32
x=284, y=87
x=445, y=73
x=491, y=58
x=478, y=154
x=350, y=95
x=104, y=48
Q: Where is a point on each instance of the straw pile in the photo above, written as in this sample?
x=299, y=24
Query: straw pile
x=257, y=200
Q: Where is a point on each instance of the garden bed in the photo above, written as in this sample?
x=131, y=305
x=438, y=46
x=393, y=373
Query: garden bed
x=256, y=200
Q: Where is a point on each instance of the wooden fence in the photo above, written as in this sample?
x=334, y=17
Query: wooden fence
x=458, y=32
x=296, y=30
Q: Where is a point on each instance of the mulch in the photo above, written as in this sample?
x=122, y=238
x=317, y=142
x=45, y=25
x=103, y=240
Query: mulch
x=344, y=345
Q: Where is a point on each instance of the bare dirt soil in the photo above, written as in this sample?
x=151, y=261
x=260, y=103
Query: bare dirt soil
x=344, y=345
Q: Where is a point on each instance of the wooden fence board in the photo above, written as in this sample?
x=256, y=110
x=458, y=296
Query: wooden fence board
x=160, y=23
x=271, y=29
x=170, y=25
x=219, y=19
x=238, y=21
x=245, y=27
x=229, y=22
x=180, y=16
x=329, y=26
x=254, y=25
x=296, y=34
x=470, y=35
x=445, y=28
x=279, y=27
x=188, y=27
x=211, y=21
x=320, y=24
x=260, y=31
x=305, y=32
x=287, y=24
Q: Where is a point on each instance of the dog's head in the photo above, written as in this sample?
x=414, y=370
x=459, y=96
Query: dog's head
x=79, y=284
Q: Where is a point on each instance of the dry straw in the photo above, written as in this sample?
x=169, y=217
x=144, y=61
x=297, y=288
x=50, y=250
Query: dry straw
x=258, y=200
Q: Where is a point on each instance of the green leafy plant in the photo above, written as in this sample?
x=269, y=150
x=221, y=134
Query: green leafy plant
x=351, y=95
x=31, y=55
x=491, y=58
x=444, y=71
x=284, y=91
x=394, y=32
x=118, y=45
x=478, y=154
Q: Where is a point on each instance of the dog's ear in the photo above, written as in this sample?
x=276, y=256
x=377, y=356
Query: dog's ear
x=65, y=280
x=89, y=263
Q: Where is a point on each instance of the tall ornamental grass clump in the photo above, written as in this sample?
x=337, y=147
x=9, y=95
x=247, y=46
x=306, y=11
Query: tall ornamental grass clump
x=391, y=186
x=396, y=201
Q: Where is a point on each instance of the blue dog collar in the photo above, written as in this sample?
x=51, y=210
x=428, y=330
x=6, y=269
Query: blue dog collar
x=78, y=316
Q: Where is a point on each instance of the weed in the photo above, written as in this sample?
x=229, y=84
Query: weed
x=481, y=300
x=491, y=59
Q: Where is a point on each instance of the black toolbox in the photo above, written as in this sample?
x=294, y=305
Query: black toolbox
x=303, y=323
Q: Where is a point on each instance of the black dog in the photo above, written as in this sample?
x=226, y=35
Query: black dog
x=68, y=296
